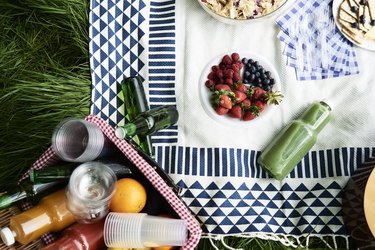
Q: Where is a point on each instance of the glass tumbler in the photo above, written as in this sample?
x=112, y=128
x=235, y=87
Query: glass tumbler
x=90, y=189
x=77, y=140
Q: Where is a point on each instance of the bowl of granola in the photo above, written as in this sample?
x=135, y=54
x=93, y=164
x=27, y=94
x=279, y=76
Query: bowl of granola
x=240, y=11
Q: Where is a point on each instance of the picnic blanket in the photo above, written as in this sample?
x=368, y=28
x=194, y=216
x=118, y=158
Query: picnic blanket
x=169, y=43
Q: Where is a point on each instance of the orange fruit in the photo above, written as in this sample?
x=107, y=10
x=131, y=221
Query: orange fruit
x=129, y=197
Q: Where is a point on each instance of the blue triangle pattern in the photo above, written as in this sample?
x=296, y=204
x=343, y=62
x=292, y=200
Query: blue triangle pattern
x=243, y=187
x=228, y=186
x=218, y=212
x=226, y=221
x=226, y=204
x=212, y=186
x=210, y=221
x=219, y=194
x=235, y=212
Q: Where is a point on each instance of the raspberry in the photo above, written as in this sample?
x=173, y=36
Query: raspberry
x=219, y=74
x=209, y=83
x=236, y=77
x=229, y=81
x=235, y=57
x=215, y=68
x=227, y=60
x=211, y=76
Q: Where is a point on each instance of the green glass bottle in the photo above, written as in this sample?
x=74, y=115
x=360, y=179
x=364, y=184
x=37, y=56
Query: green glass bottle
x=149, y=122
x=135, y=102
x=27, y=190
x=58, y=173
x=294, y=141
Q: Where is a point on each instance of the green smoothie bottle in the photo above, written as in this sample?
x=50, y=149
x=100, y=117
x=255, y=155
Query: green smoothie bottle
x=294, y=141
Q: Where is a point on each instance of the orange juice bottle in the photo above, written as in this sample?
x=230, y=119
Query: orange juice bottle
x=50, y=215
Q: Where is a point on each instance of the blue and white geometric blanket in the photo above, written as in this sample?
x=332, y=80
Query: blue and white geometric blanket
x=169, y=43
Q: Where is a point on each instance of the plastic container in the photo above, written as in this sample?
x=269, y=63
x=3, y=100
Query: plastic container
x=80, y=237
x=50, y=215
x=77, y=140
x=90, y=189
x=142, y=230
x=289, y=147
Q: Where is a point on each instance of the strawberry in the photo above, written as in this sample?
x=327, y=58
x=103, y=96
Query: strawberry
x=235, y=111
x=246, y=104
x=223, y=87
x=241, y=87
x=272, y=97
x=221, y=110
x=225, y=101
x=260, y=104
x=240, y=96
x=258, y=93
x=251, y=114
x=248, y=115
x=222, y=98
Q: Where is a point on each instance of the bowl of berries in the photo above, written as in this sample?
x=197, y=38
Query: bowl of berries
x=236, y=89
x=240, y=11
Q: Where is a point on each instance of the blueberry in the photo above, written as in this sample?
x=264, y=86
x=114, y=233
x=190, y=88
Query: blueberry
x=272, y=81
x=263, y=76
x=267, y=81
x=251, y=61
x=266, y=87
x=245, y=81
x=260, y=67
x=262, y=71
x=257, y=74
x=244, y=60
x=246, y=74
x=355, y=25
x=372, y=23
x=354, y=9
x=252, y=77
x=268, y=74
x=253, y=69
x=256, y=64
x=258, y=81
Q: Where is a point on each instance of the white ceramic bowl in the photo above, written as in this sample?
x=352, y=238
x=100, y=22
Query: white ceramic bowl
x=205, y=93
x=233, y=21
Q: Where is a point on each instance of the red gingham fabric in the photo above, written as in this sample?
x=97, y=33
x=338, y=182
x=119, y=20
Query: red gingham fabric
x=193, y=226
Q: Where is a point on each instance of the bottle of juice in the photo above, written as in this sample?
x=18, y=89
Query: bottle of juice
x=80, y=237
x=149, y=122
x=50, y=215
x=294, y=141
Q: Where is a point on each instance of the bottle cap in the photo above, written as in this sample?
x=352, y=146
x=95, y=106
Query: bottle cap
x=7, y=236
x=120, y=133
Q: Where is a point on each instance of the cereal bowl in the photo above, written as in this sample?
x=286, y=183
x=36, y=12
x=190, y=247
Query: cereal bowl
x=241, y=12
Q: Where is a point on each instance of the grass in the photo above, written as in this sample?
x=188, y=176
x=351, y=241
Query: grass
x=45, y=77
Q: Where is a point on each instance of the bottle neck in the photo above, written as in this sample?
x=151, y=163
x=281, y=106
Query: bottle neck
x=317, y=116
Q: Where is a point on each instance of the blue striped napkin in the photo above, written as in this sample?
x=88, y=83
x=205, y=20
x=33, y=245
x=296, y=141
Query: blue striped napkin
x=308, y=29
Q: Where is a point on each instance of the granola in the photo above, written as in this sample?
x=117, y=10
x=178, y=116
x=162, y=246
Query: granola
x=243, y=9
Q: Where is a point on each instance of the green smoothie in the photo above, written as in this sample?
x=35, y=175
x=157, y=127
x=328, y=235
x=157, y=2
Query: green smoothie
x=295, y=141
